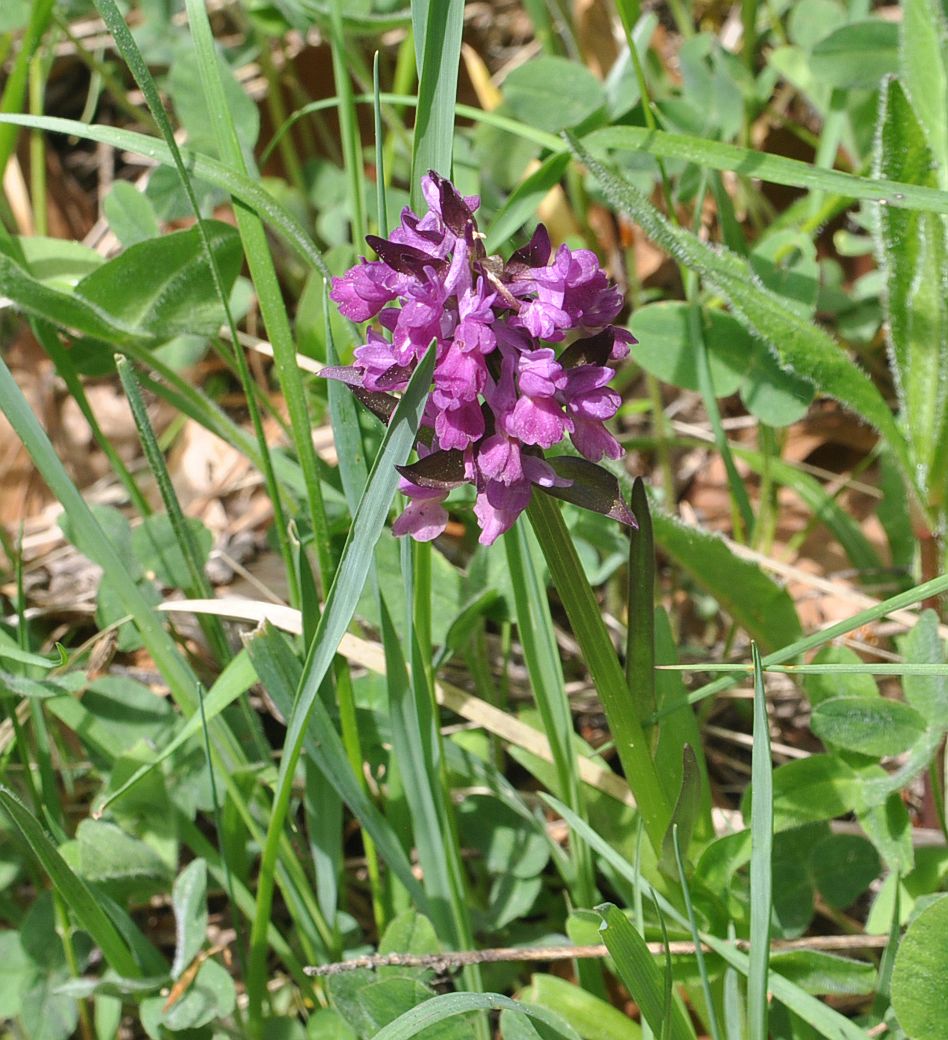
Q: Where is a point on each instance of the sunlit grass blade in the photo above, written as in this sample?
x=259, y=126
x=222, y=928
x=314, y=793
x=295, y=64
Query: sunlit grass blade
x=761, y=870
x=450, y=1005
x=80, y=899
x=927, y=589
x=437, y=26
x=341, y=602
x=827, y=1021
x=200, y=167
x=601, y=659
x=797, y=343
x=775, y=169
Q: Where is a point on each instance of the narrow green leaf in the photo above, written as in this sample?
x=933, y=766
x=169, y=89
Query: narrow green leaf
x=912, y=249
x=523, y=202
x=449, y=1005
x=922, y=64
x=639, y=973
x=438, y=25
x=774, y=169
x=797, y=343
x=589, y=629
x=201, y=167
x=75, y=892
x=761, y=869
x=640, y=639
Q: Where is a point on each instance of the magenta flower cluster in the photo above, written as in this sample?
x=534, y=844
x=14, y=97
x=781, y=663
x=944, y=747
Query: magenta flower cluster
x=501, y=394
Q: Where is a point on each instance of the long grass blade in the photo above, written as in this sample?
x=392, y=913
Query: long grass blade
x=761, y=870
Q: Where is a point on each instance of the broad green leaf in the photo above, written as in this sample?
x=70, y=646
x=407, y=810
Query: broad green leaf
x=158, y=550
x=752, y=598
x=825, y=973
x=591, y=1016
x=17, y=969
x=918, y=980
x=665, y=349
x=810, y=20
x=798, y=344
x=184, y=86
x=640, y=974
x=819, y=688
x=857, y=55
x=163, y=286
x=553, y=93
x=189, y=899
x=409, y=932
x=922, y=65
x=785, y=262
x=843, y=866
x=75, y=892
x=889, y=828
x=820, y=787
x=57, y=262
x=210, y=996
x=107, y=853
x=876, y=726
x=928, y=694
x=913, y=254
x=130, y=214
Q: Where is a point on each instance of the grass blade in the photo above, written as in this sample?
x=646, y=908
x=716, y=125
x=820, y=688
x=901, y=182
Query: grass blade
x=437, y=25
x=775, y=169
x=640, y=604
x=449, y=1005
x=341, y=602
x=761, y=874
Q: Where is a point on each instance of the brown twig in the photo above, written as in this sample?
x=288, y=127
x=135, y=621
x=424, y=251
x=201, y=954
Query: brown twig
x=441, y=962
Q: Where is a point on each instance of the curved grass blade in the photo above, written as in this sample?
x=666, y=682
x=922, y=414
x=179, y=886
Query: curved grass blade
x=449, y=1005
x=201, y=167
x=775, y=169
x=354, y=566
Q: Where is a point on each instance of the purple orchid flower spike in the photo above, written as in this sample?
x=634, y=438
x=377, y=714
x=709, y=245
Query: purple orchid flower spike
x=502, y=396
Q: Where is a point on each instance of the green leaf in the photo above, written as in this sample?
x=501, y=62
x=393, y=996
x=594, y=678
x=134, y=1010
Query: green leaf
x=665, y=349
x=928, y=694
x=592, y=1017
x=184, y=86
x=524, y=201
x=438, y=26
x=157, y=548
x=820, y=787
x=819, y=688
x=56, y=262
x=857, y=55
x=912, y=250
x=130, y=214
x=75, y=892
x=761, y=861
x=875, y=727
x=247, y=189
x=923, y=74
x=189, y=899
x=918, y=979
x=639, y=973
x=824, y=973
x=843, y=866
x=107, y=853
x=163, y=286
x=553, y=93
x=774, y=169
x=751, y=597
x=439, y=1009
x=210, y=996
x=890, y=830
